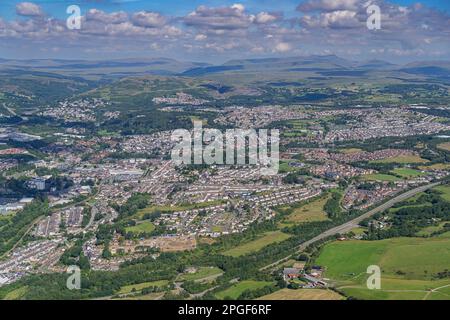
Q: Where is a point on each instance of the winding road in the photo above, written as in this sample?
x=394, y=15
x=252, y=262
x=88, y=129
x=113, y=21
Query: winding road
x=348, y=226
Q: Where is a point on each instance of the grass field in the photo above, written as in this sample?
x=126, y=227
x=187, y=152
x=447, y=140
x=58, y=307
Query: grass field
x=407, y=265
x=359, y=230
x=285, y=167
x=258, y=244
x=146, y=227
x=402, y=160
x=428, y=231
x=407, y=172
x=411, y=256
x=312, y=211
x=202, y=273
x=380, y=177
x=140, y=286
x=444, y=146
x=167, y=209
x=302, y=294
x=237, y=289
x=436, y=166
x=150, y=296
x=350, y=150
x=16, y=294
x=445, y=190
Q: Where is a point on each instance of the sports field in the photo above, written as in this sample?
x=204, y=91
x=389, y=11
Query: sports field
x=258, y=244
x=407, y=172
x=146, y=227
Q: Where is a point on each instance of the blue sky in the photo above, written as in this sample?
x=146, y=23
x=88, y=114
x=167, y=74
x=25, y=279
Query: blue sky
x=218, y=30
x=180, y=7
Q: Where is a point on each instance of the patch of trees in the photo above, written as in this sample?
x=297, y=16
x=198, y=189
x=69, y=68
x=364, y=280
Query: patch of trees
x=75, y=256
x=332, y=207
x=19, y=224
x=407, y=221
x=136, y=202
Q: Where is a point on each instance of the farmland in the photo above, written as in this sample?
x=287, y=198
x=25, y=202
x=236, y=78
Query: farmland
x=409, y=266
x=302, y=294
x=444, y=146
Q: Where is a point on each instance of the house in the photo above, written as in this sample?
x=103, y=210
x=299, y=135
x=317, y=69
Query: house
x=290, y=273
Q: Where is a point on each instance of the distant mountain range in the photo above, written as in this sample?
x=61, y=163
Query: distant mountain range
x=316, y=66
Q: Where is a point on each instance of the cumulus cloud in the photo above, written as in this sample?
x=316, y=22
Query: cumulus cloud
x=282, y=47
x=29, y=9
x=101, y=16
x=328, y=5
x=334, y=19
x=148, y=19
x=222, y=18
x=264, y=17
x=333, y=26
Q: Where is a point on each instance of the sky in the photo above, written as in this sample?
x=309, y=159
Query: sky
x=219, y=30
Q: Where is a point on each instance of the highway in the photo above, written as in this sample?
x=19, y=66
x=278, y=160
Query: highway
x=348, y=226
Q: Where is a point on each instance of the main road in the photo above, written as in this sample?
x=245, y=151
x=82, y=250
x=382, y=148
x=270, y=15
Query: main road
x=348, y=226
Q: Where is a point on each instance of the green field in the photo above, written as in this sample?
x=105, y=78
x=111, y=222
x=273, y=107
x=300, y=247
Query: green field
x=350, y=150
x=172, y=208
x=144, y=227
x=258, y=244
x=380, y=177
x=202, y=273
x=428, y=231
x=150, y=296
x=140, y=286
x=436, y=166
x=402, y=160
x=407, y=264
x=16, y=294
x=237, y=289
x=445, y=190
x=407, y=172
x=313, y=211
x=285, y=167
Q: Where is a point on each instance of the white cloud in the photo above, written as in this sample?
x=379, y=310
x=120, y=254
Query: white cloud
x=29, y=9
x=283, y=47
x=328, y=5
x=264, y=17
x=149, y=19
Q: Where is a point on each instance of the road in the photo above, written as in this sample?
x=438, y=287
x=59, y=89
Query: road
x=348, y=226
